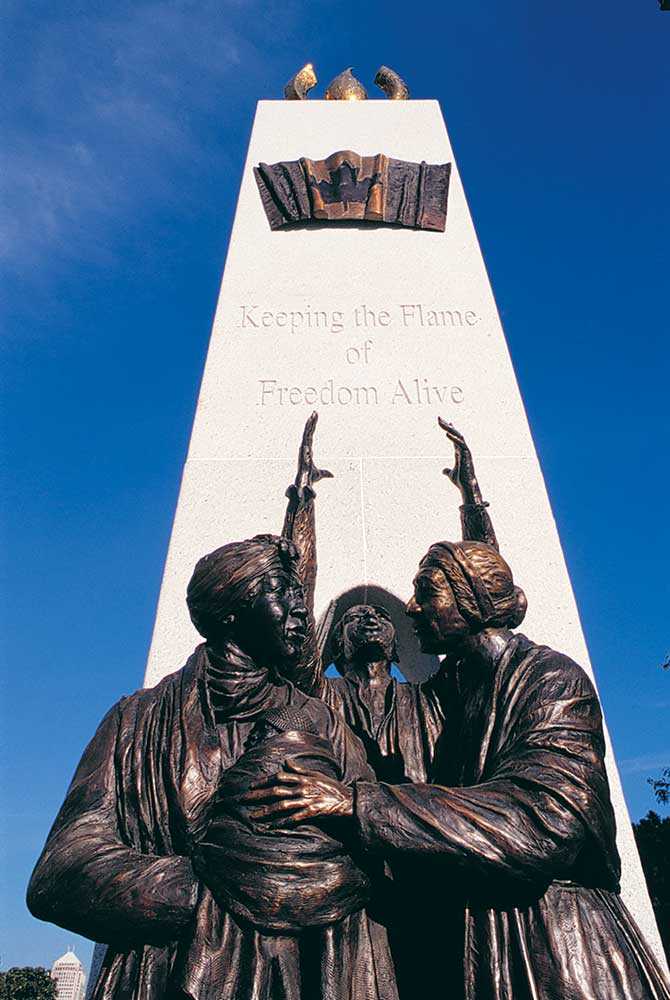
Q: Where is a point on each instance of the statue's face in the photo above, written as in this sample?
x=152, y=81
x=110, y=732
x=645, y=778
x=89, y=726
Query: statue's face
x=438, y=623
x=273, y=627
x=367, y=634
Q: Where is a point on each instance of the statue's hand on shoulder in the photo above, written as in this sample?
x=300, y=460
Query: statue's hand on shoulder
x=462, y=474
x=297, y=795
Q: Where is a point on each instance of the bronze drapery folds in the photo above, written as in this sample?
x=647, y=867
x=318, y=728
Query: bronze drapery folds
x=350, y=187
x=227, y=837
x=506, y=872
x=150, y=852
x=398, y=723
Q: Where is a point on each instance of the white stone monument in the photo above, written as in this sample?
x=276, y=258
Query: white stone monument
x=380, y=329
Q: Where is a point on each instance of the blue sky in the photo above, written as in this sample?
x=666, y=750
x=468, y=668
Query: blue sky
x=125, y=129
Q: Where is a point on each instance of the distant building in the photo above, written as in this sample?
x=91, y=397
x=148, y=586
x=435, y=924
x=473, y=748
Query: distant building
x=99, y=952
x=68, y=972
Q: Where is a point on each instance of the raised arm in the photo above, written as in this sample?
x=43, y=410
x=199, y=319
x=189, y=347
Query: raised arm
x=89, y=880
x=476, y=525
x=300, y=528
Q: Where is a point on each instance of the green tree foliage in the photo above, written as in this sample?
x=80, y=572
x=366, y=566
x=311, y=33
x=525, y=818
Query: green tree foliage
x=27, y=984
x=653, y=842
x=661, y=787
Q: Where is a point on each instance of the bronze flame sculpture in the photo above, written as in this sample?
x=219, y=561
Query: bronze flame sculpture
x=345, y=86
x=393, y=85
x=303, y=81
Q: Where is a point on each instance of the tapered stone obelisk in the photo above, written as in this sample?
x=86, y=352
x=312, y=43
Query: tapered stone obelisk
x=380, y=329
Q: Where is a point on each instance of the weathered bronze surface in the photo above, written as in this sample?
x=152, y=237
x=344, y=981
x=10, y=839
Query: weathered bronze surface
x=393, y=85
x=154, y=853
x=303, y=81
x=345, y=87
x=347, y=186
x=227, y=837
x=506, y=872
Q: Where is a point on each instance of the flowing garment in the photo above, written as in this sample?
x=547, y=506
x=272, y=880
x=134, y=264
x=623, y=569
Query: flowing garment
x=506, y=864
x=400, y=747
x=117, y=863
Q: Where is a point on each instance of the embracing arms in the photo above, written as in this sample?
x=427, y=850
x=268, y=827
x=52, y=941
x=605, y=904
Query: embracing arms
x=542, y=799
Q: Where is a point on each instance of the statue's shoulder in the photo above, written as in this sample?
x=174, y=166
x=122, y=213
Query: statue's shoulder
x=325, y=715
x=172, y=685
x=318, y=710
x=338, y=686
x=541, y=665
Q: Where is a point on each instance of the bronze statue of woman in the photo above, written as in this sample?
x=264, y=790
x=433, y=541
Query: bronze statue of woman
x=505, y=861
x=152, y=852
x=398, y=722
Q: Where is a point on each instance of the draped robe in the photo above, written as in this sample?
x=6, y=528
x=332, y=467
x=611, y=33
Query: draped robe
x=400, y=747
x=506, y=865
x=117, y=863
x=493, y=811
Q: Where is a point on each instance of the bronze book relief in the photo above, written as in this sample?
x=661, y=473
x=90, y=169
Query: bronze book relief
x=349, y=187
x=251, y=829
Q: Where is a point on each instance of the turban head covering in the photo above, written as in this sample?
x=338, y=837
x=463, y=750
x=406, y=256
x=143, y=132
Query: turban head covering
x=230, y=577
x=481, y=582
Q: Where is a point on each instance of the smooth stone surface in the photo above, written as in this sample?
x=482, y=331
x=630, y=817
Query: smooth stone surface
x=267, y=369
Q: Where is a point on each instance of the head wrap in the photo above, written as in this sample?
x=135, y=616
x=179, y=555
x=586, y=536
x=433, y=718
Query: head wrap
x=230, y=577
x=481, y=582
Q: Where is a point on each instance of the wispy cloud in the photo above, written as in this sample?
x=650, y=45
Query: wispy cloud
x=107, y=104
x=654, y=704
x=649, y=762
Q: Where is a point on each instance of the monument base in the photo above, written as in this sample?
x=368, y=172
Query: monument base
x=380, y=329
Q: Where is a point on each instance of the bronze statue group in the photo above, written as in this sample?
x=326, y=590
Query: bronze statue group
x=251, y=829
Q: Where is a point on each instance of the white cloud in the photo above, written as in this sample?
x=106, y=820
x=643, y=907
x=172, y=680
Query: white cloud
x=647, y=763
x=108, y=107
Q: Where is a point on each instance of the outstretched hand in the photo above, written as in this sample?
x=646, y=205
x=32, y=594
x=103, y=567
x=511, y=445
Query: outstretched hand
x=295, y=795
x=308, y=473
x=462, y=475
